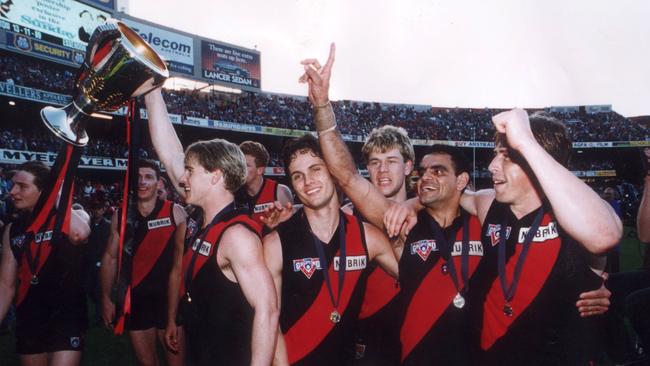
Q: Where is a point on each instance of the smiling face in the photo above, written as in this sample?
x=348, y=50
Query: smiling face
x=511, y=183
x=197, y=182
x=148, y=184
x=311, y=180
x=438, y=184
x=388, y=171
x=24, y=193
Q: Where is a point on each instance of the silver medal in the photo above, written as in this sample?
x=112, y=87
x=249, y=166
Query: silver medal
x=459, y=301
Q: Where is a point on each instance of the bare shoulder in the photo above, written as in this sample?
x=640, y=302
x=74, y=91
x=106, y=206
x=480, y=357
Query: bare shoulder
x=179, y=214
x=240, y=238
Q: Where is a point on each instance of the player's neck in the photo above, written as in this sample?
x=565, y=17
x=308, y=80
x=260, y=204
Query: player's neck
x=324, y=220
x=212, y=207
x=445, y=214
x=254, y=188
x=400, y=196
x=146, y=206
x=526, y=204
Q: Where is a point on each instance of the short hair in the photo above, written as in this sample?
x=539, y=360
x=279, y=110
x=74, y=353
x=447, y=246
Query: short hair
x=550, y=133
x=458, y=159
x=306, y=143
x=387, y=137
x=256, y=150
x=148, y=163
x=39, y=170
x=222, y=155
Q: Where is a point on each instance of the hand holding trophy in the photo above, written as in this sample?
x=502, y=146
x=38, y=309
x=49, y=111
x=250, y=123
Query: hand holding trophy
x=119, y=66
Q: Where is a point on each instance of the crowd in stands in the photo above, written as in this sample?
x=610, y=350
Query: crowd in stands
x=354, y=118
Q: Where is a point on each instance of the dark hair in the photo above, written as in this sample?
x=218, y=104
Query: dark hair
x=39, y=170
x=458, y=159
x=550, y=133
x=148, y=163
x=256, y=150
x=299, y=145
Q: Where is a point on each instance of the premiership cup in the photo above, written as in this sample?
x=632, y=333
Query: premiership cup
x=119, y=65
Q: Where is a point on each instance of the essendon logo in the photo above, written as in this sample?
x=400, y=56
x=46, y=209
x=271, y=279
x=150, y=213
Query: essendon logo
x=192, y=226
x=423, y=248
x=18, y=241
x=262, y=206
x=494, y=230
x=307, y=266
x=154, y=224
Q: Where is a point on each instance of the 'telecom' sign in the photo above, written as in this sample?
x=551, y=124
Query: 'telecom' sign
x=175, y=48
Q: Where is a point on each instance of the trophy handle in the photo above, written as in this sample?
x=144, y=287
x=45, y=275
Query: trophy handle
x=102, y=34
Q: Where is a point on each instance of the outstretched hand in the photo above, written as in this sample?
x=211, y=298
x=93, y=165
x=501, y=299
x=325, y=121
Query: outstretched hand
x=276, y=214
x=318, y=78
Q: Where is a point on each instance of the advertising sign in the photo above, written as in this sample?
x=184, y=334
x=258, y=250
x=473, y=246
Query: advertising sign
x=233, y=66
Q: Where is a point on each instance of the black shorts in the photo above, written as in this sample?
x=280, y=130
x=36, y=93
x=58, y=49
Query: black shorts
x=148, y=310
x=50, y=326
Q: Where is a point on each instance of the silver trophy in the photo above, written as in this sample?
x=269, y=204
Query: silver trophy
x=119, y=66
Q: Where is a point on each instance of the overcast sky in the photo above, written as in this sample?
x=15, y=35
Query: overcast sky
x=500, y=53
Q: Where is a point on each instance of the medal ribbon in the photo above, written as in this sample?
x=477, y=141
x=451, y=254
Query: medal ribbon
x=323, y=261
x=509, y=291
x=447, y=248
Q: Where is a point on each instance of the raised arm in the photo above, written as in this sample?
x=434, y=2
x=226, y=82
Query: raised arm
x=585, y=216
x=336, y=154
x=273, y=258
x=163, y=136
x=175, y=276
x=108, y=272
x=477, y=203
x=8, y=273
x=243, y=250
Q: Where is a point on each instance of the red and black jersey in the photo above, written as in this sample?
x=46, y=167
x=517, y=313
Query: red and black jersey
x=58, y=288
x=544, y=327
x=219, y=329
x=263, y=199
x=311, y=337
x=153, y=249
x=434, y=331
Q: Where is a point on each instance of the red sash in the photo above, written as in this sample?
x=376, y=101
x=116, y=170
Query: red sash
x=314, y=325
x=435, y=293
x=267, y=196
x=539, y=263
x=380, y=290
x=153, y=244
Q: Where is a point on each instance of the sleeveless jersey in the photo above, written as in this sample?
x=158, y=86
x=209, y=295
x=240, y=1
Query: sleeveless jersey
x=434, y=330
x=219, y=321
x=263, y=199
x=311, y=337
x=545, y=327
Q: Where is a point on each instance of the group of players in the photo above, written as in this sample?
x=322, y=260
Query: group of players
x=509, y=275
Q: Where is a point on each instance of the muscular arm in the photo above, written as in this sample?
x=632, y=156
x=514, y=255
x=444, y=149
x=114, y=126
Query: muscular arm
x=243, y=250
x=108, y=272
x=163, y=136
x=477, y=203
x=380, y=250
x=8, y=273
x=586, y=217
x=273, y=258
x=643, y=218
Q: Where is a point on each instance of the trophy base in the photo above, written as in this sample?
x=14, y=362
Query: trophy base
x=64, y=123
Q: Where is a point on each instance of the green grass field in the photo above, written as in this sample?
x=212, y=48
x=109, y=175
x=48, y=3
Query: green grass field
x=105, y=349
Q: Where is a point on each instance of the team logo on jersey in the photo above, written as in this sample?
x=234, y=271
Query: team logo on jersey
x=307, y=266
x=423, y=248
x=494, y=231
x=261, y=207
x=352, y=263
x=153, y=224
x=204, y=249
x=45, y=236
x=543, y=234
x=75, y=342
x=192, y=226
x=18, y=241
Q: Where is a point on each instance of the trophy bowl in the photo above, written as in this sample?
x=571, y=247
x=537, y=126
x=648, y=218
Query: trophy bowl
x=119, y=66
